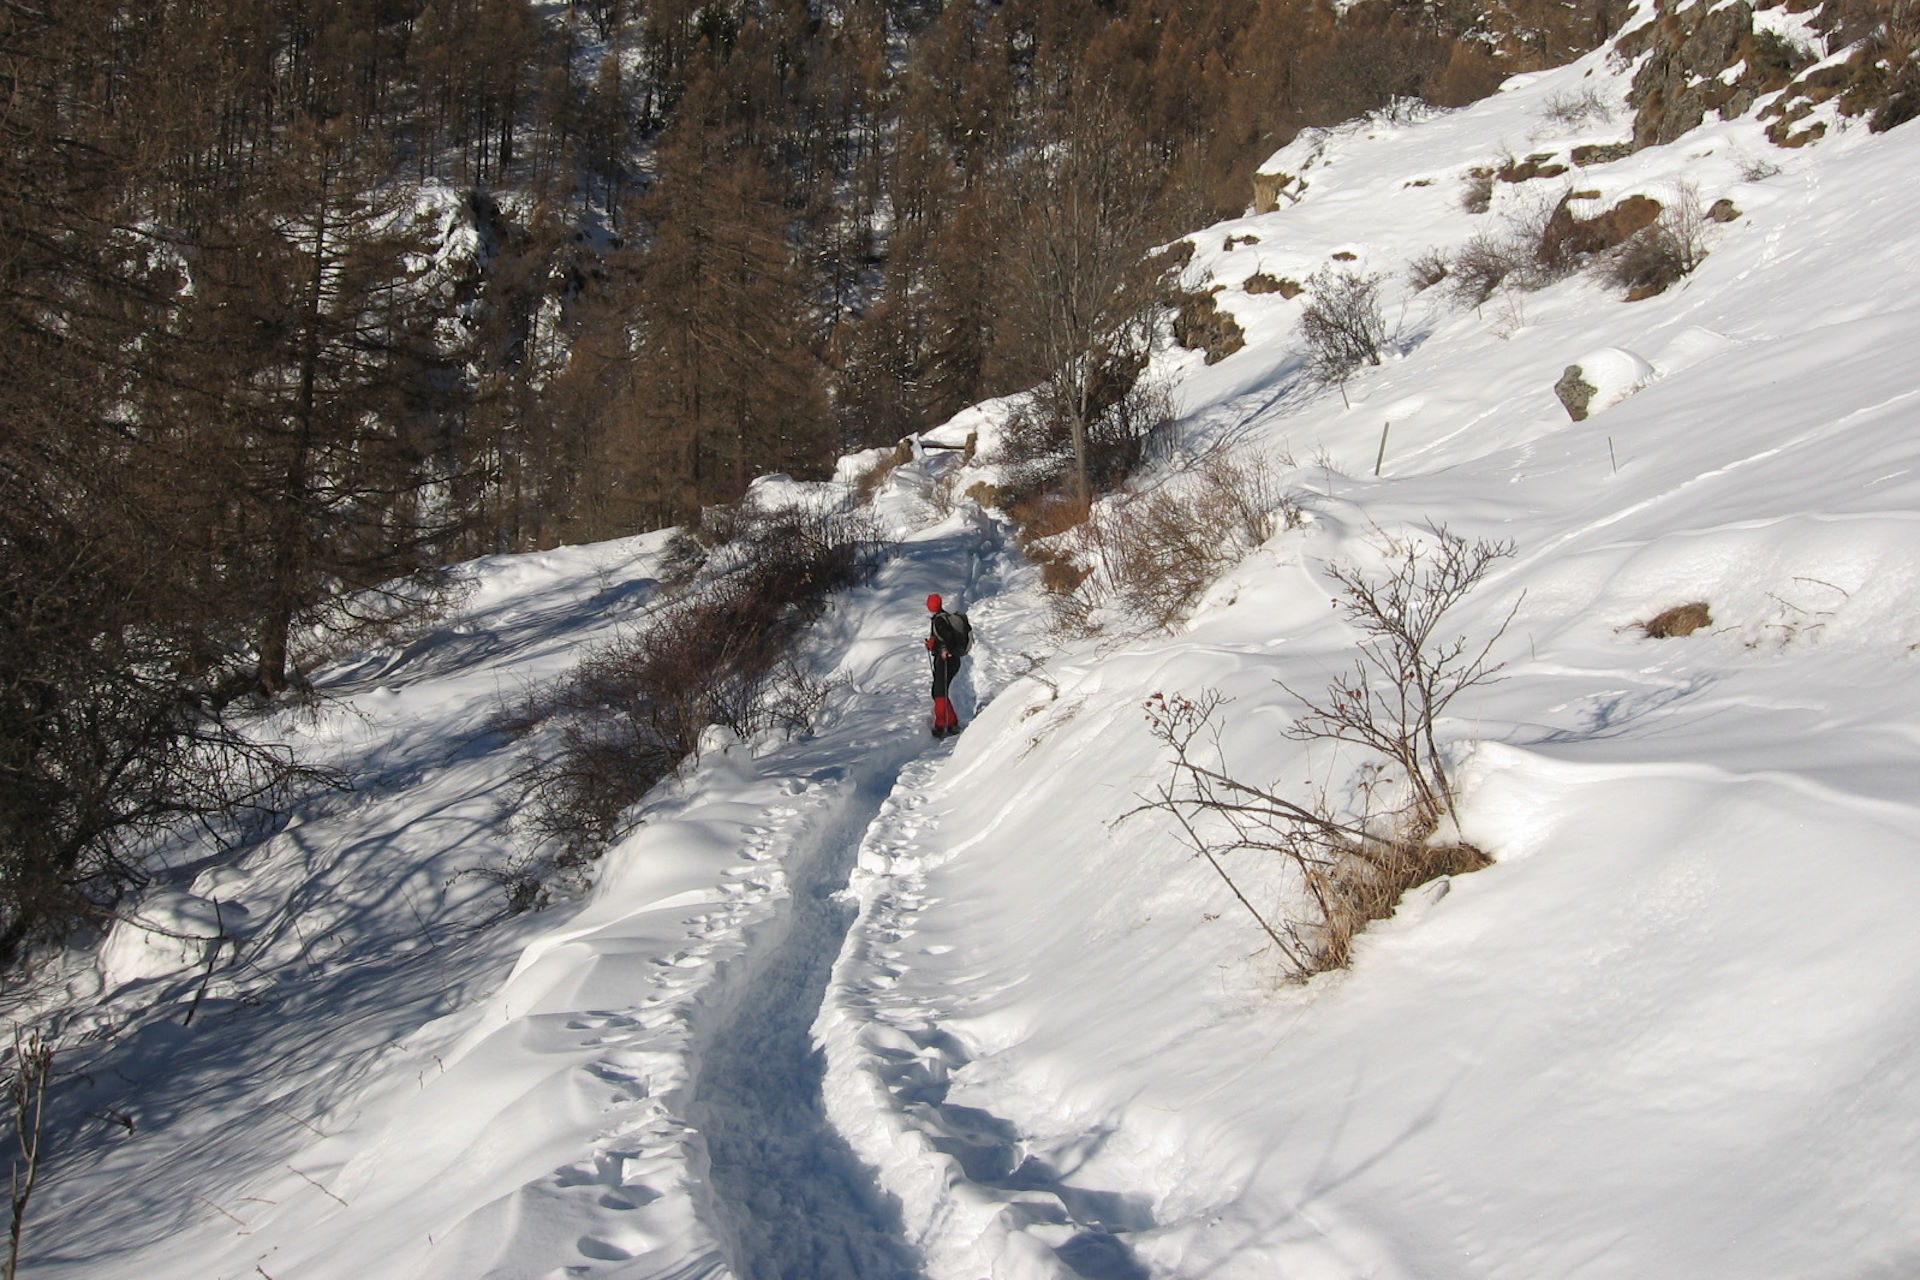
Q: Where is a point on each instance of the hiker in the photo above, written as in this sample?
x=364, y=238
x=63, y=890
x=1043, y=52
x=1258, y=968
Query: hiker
x=947, y=643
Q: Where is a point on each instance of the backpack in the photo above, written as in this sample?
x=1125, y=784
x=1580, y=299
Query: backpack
x=959, y=636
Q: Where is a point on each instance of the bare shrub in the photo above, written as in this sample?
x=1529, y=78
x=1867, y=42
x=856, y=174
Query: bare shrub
x=1342, y=326
x=1572, y=109
x=1427, y=270
x=793, y=697
x=716, y=653
x=1665, y=253
x=1526, y=253
x=1406, y=673
x=1547, y=253
x=521, y=881
x=1351, y=865
x=1482, y=265
x=1125, y=413
x=1476, y=195
x=685, y=555
x=1154, y=553
x=1157, y=552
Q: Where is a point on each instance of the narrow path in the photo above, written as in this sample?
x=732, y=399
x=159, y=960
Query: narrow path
x=794, y=1201
x=789, y=1198
x=1053, y=1217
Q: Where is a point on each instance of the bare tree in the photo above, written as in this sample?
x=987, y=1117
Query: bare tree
x=26, y=1095
x=311, y=421
x=1080, y=305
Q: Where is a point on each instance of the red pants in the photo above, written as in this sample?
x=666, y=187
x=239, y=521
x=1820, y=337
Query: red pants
x=944, y=670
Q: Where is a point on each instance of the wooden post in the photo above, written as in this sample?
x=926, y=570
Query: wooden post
x=1382, y=455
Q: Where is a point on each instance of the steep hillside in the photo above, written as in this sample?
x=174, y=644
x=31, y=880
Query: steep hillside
x=861, y=1003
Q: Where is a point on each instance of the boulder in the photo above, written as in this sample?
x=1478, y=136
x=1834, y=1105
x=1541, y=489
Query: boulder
x=1600, y=380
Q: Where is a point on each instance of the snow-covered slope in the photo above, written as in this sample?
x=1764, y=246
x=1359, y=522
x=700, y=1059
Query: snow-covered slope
x=1667, y=1034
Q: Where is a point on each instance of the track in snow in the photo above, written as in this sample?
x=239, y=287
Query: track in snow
x=796, y=1203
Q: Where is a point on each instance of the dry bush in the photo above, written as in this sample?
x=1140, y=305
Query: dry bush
x=1352, y=866
x=1550, y=254
x=27, y=1076
x=1526, y=253
x=1588, y=105
x=1155, y=553
x=1665, y=253
x=1428, y=270
x=1482, y=265
x=719, y=652
x=1680, y=620
x=1342, y=326
x=793, y=698
x=521, y=881
x=1087, y=427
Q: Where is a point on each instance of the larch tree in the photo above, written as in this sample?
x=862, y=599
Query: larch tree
x=307, y=290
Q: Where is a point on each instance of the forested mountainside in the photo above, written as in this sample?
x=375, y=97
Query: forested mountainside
x=307, y=298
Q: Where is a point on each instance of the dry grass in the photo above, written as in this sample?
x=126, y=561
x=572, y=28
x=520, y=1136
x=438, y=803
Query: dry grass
x=1047, y=515
x=1680, y=620
x=1367, y=882
x=1261, y=282
x=869, y=482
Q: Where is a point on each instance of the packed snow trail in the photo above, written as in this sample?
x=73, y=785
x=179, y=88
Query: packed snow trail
x=787, y=1196
x=792, y=1199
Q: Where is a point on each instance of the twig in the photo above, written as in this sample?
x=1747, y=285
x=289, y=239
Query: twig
x=245, y=1228
x=317, y=1187
x=213, y=958
x=296, y=1119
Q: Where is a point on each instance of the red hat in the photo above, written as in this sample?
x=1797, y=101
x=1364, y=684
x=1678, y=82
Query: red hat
x=933, y=604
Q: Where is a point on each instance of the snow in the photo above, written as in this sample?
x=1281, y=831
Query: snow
x=861, y=1003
